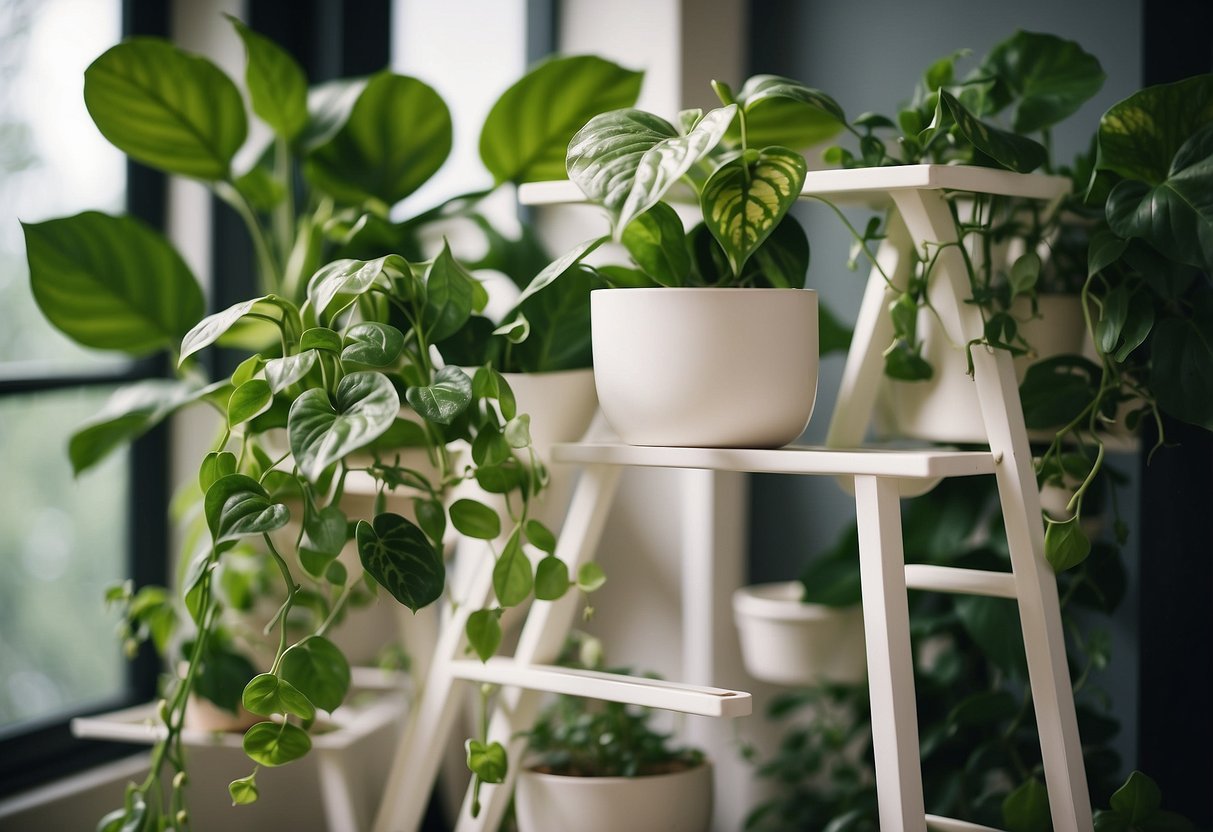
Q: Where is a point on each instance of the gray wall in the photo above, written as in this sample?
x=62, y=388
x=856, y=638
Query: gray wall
x=869, y=55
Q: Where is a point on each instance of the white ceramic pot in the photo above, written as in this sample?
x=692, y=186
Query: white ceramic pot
x=706, y=367
x=678, y=802
x=788, y=642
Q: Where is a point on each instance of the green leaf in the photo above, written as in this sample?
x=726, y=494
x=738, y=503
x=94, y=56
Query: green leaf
x=1025, y=271
x=396, y=137
x=1066, y=544
x=1047, y=77
x=517, y=431
x=276, y=743
x=1138, y=798
x=626, y=160
x=782, y=261
x=1112, y=319
x=244, y=791
x=249, y=400
x=261, y=189
x=237, y=505
x=540, y=536
x=276, y=83
x=372, y=344
x=1181, y=368
x=1027, y=808
x=490, y=448
x=512, y=576
x=1014, y=152
x=560, y=266
x=111, y=283
x=322, y=431
x=657, y=242
x=266, y=695
x=129, y=413
x=742, y=203
x=399, y=556
x=1054, y=391
x=215, y=465
x=222, y=676
x=905, y=363
x=449, y=291
x=984, y=708
x=993, y=623
x=1104, y=250
x=211, y=328
x=559, y=319
x=316, y=668
x=346, y=279
x=783, y=112
x=475, y=519
x=488, y=762
x=281, y=373
x=165, y=107
x=1140, y=136
x=527, y=132
x=320, y=338
x=324, y=536
x=444, y=400
x=329, y=106
x=551, y=579
x=590, y=577
x=484, y=632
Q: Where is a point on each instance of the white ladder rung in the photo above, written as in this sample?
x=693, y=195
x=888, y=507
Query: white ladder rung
x=937, y=824
x=614, y=687
x=962, y=581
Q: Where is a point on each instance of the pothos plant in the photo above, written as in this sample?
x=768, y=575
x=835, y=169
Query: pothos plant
x=345, y=373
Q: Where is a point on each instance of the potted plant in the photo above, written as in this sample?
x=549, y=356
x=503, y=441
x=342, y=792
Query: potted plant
x=602, y=766
x=345, y=377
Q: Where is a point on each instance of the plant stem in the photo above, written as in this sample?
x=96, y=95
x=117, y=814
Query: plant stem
x=267, y=265
x=280, y=617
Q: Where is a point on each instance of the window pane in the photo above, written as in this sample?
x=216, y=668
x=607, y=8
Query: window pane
x=62, y=541
x=53, y=161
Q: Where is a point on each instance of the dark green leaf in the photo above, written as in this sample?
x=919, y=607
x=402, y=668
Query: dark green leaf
x=540, y=536
x=985, y=708
x=1138, y=798
x=503, y=478
x=551, y=579
x=1014, y=152
x=111, y=282
x=906, y=364
x=1105, y=249
x=222, y=676
x=1138, y=325
x=316, y=668
x=782, y=261
x=1112, y=319
x=512, y=576
x=276, y=84
x=168, y=108
x=322, y=431
x=444, y=400
x=237, y=505
x=475, y=519
x=1181, y=371
x=266, y=695
x=1140, y=136
x=1056, y=390
x=324, y=536
x=484, y=632
x=449, y=292
x=276, y=743
x=560, y=326
x=783, y=112
x=399, y=556
x=657, y=242
x=431, y=518
x=1048, y=77
x=560, y=266
x=1027, y=808
x=993, y=623
x=128, y=414
x=372, y=344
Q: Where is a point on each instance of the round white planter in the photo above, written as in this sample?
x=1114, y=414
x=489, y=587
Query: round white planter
x=706, y=367
x=788, y=642
x=678, y=802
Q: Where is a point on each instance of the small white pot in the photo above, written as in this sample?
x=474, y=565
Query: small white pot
x=678, y=802
x=706, y=367
x=788, y=642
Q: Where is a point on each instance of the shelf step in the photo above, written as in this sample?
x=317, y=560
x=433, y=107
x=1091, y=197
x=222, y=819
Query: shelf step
x=937, y=824
x=613, y=687
x=960, y=581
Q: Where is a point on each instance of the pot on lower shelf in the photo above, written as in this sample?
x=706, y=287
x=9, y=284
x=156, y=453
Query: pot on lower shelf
x=706, y=367
x=680, y=801
x=788, y=642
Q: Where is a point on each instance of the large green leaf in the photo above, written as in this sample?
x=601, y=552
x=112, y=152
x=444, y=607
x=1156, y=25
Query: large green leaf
x=1014, y=152
x=396, y=138
x=276, y=743
x=626, y=160
x=401, y=558
x=1140, y=136
x=780, y=111
x=1174, y=216
x=657, y=242
x=323, y=430
x=276, y=83
x=561, y=265
x=443, y=401
x=317, y=668
x=527, y=132
x=173, y=110
x=128, y=414
x=560, y=325
x=1048, y=78
x=237, y=505
x=743, y=202
x=111, y=282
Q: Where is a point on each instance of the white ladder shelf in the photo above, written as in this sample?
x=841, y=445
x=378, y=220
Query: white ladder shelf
x=880, y=478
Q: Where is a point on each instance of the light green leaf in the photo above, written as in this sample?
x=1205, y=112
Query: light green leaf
x=329, y=106
x=783, y=112
x=1048, y=78
x=658, y=244
x=322, y=431
x=483, y=632
x=590, y=577
x=316, y=668
x=372, y=344
x=276, y=83
x=512, y=576
x=517, y=431
x=215, y=465
x=237, y=505
x=276, y=743
x=399, y=556
x=248, y=401
x=1140, y=136
x=266, y=695
x=396, y=137
x=128, y=414
x=211, y=328
x=320, y=338
x=475, y=519
x=431, y=517
x=743, y=203
x=488, y=762
x=551, y=579
x=527, y=132
x=111, y=282
x=281, y=373
x=163, y=106
x=442, y=401
x=1066, y=544
x=346, y=279
x=1024, y=273
x=244, y=791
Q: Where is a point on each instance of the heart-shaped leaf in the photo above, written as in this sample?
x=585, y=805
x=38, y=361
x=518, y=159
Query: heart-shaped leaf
x=475, y=519
x=487, y=761
x=173, y=110
x=449, y=293
x=483, y=632
x=215, y=465
x=1048, y=78
x=372, y=344
x=266, y=695
x=276, y=743
x=527, y=132
x=276, y=83
x=237, y=505
x=281, y=373
x=322, y=431
x=316, y=668
x=128, y=414
x=512, y=576
x=444, y=400
x=349, y=278
x=396, y=137
x=111, y=282
x=401, y=558
x=249, y=400
x=1140, y=136
x=743, y=202
x=328, y=107
x=657, y=242
x=626, y=160
x=551, y=579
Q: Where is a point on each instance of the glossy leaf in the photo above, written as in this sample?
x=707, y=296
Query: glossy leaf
x=559, y=318
x=657, y=242
x=512, y=575
x=449, y=294
x=560, y=266
x=317, y=668
x=527, y=132
x=324, y=536
x=111, y=282
x=551, y=579
x=627, y=160
x=743, y=203
x=372, y=344
x=276, y=743
x=431, y=517
x=281, y=373
x=396, y=137
x=490, y=448
x=1012, y=151
x=276, y=83
x=128, y=414
x=783, y=112
x=248, y=401
x=347, y=279
x=215, y=465
x=1140, y=136
x=475, y=519
x=266, y=695
x=399, y=556
x=490, y=384
x=1048, y=78
x=165, y=107
x=329, y=106
x=211, y=328
x=444, y=400
x=323, y=430
x=1105, y=249
x=483, y=632
x=237, y=505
